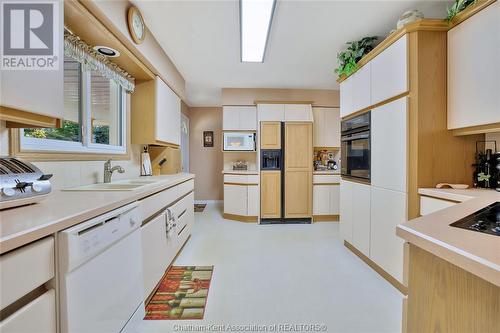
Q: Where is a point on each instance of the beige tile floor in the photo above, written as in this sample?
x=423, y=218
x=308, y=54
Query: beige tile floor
x=283, y=275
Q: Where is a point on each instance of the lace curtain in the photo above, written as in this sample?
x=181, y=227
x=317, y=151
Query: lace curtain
x=77, y=49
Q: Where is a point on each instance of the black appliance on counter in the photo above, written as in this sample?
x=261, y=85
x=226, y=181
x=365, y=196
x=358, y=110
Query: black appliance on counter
x=486, y=220
x=271, y=159
x=355, y=147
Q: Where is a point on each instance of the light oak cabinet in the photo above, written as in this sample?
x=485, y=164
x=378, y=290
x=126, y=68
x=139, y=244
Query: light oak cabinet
x=156, y=114
x=389, y=72
x=389, y=131
x=270, y=194
x=388, y=209
x=473, y=89
x=270, y=135
x=241, y=118
x=326, y=127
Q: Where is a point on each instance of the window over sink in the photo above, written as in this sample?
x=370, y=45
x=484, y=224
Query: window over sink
x=94, y=116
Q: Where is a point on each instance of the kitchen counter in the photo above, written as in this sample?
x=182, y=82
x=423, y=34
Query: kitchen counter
x=60, y=210
x=475, y=252
x=241, y=172
x=326, y=172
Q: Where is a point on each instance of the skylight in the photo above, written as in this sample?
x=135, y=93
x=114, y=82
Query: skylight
x=255, y=20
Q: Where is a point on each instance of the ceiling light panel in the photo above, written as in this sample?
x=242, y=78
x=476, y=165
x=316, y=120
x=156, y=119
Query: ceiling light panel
x=255, y=20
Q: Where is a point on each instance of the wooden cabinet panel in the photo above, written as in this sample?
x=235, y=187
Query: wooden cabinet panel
x=298, y=112
x=389, y=72
x=270, y=194
x=270, y=135
x=235, y=199
x=326, y=127
x=473, y=90
x=298, y=194
x=389, y=142
x=298, y=146
x=361, y=217
x=346, y=107
x=271, y=112
x=388, y=209
x=345, y=209
x=361, y=96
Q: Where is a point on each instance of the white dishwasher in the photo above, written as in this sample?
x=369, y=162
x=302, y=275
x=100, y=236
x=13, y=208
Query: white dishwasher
x=101, y=274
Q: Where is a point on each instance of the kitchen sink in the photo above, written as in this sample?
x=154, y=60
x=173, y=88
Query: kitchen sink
x=122, y=185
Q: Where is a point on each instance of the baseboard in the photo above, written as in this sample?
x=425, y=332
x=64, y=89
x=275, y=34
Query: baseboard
x=398, y=285
x=240, y=218
x=326, y=218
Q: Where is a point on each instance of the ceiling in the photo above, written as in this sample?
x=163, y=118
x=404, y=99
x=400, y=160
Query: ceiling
x=202, y=39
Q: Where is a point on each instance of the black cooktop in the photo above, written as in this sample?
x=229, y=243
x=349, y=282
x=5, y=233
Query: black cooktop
x=486, y=220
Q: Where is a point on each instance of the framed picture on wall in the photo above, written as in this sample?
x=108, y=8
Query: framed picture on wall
x=208, y=138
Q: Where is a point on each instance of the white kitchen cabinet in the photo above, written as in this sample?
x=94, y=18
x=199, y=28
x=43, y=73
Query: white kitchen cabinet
x=326, y=127
x=473, y=89
x=271, y=112
x=388, y=209
x=38, y=315
x=388, y=143
x=240, y=118
x=346, y=91
x=155, y=252
x=253, y=200
x=430, y=205
x=168, y=114
x=235, y=199
x=346, y=207
x=389, y=72
x=156, y=114
x=361, y=220
x=298, y=112
x=321, y=200
x=39, y=92
x=361, y=92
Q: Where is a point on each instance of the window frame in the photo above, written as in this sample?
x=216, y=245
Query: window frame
x=85, y=146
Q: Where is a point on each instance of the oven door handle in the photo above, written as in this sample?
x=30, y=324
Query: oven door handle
x=355, y=137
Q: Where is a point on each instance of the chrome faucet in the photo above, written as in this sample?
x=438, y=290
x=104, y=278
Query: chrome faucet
x=108, y=170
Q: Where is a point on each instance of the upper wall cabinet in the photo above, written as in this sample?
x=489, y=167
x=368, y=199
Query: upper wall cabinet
x=474, y=70
x=326, y=127
x=156, y=114
x=34, y=97
x=285, y=112
x=361, y=92
x=389, y=72
x=242, y=118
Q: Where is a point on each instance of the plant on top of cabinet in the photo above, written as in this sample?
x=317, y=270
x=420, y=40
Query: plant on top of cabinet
x=349, y=58
x=457, y=7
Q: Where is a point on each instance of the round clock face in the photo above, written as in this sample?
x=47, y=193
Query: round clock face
x=138, y=25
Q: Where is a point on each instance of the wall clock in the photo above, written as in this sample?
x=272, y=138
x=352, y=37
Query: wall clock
x=136, y=25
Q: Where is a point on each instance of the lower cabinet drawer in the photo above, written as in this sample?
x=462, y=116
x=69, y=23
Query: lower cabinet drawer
x=15, y=281
x=185, y=187
x=241, y=179
x=184, y=210
x=37, y=316
x=326, y=179
x=154, y=203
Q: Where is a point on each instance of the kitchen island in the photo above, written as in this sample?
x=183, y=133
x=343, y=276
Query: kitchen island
x=453, y=273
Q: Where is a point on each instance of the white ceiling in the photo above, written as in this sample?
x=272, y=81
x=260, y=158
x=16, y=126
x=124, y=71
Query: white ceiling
x=202, y=39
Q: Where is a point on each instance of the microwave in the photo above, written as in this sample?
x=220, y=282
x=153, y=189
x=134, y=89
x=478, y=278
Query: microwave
x=238, y=141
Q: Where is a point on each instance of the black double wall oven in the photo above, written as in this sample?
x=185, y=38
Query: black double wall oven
x=355, y=147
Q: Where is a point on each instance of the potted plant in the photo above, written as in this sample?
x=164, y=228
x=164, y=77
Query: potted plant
x=349, y=58
x=457, y=7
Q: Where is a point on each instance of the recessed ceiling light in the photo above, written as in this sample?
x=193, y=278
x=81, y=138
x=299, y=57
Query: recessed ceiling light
x=255, y=24
x=107, y=51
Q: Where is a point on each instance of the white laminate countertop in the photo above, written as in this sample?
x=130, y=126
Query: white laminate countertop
x=60, y=210
x=240, y=172
x=326, y=172
x=475, y=252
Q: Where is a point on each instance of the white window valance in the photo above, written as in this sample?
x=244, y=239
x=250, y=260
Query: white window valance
x=77, y=49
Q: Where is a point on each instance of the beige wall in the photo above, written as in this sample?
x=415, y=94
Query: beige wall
x=206, y=162
x=247, y=96
x=113, y=14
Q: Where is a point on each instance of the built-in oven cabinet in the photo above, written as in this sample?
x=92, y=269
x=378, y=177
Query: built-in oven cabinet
x=389, y=132
x=472, y=89
x=240, y=118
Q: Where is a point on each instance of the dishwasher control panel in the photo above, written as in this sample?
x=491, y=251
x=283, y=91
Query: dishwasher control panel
x=87, y=239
